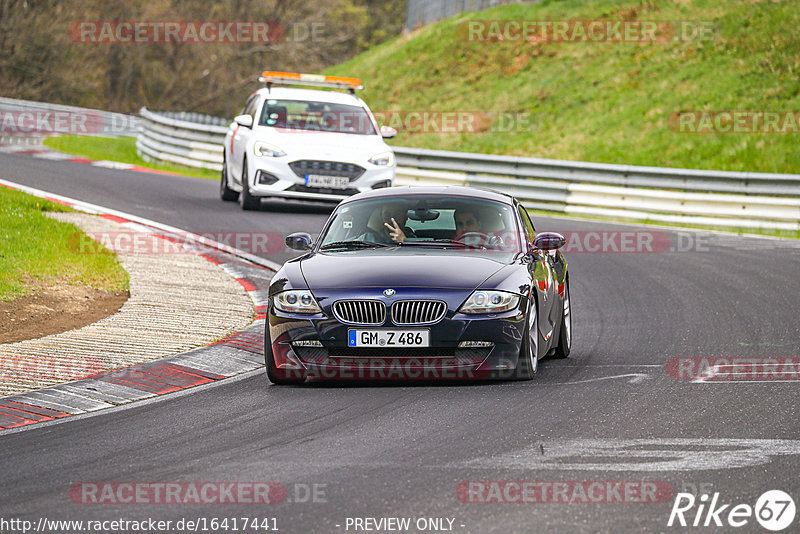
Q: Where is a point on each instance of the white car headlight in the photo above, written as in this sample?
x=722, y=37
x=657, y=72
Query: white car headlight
x=297, y=301
x=383, y=159
x=485, y=301
x=265, y=149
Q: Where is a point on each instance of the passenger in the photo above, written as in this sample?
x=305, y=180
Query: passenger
x=394, y=216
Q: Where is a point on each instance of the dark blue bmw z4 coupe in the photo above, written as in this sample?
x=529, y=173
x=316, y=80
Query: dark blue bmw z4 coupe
x=420, y=283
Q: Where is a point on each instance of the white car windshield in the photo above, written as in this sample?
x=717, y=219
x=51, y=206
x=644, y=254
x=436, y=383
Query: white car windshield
x=316, y=117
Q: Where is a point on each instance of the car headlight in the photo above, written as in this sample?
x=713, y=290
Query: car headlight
x=383, y=159
x=483, y=301
x=297, y=301
x=265, y=149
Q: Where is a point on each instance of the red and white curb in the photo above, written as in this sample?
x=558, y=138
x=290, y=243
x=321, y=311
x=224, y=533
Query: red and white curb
x=238, y=353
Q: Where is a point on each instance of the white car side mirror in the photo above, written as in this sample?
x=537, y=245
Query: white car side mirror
x=244, y=120
x=387, y=132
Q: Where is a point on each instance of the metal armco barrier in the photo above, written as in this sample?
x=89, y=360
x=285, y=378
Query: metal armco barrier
x=24, y=118
x=191, y=139
x=667, y=195
x=423, y=12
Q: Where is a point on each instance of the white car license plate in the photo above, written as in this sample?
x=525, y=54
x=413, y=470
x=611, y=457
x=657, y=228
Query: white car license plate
x=389, y=338
x=334, y=182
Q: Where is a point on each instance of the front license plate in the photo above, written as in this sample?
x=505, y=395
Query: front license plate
x=335, y=182
x=389, y=338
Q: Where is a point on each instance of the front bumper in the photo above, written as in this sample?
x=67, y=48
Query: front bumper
x=444, y=359
x=273, y=177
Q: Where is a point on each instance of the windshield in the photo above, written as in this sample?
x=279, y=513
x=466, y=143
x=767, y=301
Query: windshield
x=316, y=117
x=430, y=222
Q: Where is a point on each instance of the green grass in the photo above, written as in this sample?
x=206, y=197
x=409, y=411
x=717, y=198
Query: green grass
x=601, y=102
x=121, y=149
x=34, y=247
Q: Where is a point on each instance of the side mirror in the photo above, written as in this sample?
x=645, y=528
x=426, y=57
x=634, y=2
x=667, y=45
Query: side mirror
x=299, y=241
x=549, y=241
x=244, y=120
x=387, y=132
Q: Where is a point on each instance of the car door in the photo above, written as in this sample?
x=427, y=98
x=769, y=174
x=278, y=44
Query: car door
x=238, y=142
x=542, y=273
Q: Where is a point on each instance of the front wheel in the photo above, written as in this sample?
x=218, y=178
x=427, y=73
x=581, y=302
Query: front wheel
x=528, y=362
x=246, y=200
x=225, y=192
x=565, y=335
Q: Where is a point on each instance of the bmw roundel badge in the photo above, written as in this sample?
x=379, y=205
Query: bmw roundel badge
x=388, y=292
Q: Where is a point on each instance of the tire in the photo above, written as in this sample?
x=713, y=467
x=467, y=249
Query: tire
x=528, y=362
x=275, y=375
x=226, y=193
x=565, y=332
x=246, y=200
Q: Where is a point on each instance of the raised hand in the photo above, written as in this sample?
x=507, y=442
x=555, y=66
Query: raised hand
x=395, y=232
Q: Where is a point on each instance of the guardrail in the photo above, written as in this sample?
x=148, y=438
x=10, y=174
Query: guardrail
x=24, y=118
x=191, y=139
x=668, y=195
x=423, y=12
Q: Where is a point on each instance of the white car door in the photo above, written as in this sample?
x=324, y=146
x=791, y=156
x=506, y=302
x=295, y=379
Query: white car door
x=237, y=144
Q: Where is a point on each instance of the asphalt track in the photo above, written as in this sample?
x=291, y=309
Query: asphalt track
x=611, y=412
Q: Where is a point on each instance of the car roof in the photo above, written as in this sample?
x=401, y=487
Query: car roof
x=403, y=192
x=315, y=95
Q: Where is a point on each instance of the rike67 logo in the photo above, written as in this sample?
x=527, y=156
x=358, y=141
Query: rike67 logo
x=774, y=510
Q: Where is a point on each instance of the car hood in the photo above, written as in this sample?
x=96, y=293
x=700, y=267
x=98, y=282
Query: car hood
x=396, y=268
x=324, y=146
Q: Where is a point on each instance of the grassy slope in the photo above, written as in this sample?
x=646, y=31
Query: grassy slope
x=34, y=246
x=606, y=102
x=121, y=149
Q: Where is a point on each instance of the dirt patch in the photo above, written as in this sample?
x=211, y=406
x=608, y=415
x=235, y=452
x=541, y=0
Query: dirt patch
x=54, y=309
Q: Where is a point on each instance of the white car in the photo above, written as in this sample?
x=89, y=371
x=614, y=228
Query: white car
x=305, y=143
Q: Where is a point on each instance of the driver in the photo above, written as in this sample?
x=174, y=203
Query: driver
x=469, y=228
x=467, y=220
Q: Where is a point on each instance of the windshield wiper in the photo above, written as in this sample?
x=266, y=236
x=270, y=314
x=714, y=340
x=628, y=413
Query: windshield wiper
x=443, y=242
x=353, y=244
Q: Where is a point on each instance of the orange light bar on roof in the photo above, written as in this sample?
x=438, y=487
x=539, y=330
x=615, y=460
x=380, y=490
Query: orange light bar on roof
x=318, y=80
